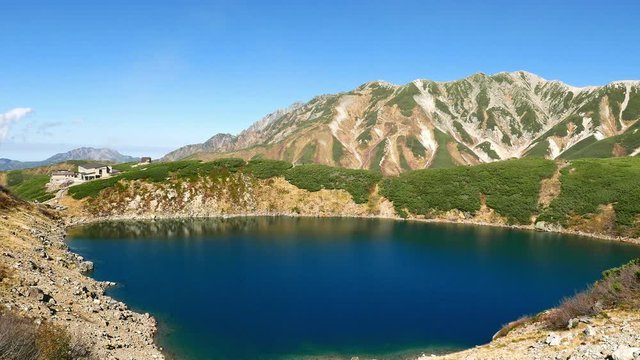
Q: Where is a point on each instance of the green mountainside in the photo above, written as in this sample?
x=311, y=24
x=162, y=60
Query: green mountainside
x=592, y=195
x=426, y=124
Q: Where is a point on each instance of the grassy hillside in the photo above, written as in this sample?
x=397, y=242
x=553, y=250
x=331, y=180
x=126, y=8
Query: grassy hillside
x=310, y=177
x=623, y=144
x=509, y=187
x=589, y=184
x=28, y=185
x=587, y=187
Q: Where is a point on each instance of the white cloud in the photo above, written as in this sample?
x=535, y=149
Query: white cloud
x=9, y=117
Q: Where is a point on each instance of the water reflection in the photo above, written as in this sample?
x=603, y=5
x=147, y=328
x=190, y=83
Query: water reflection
x=207, y=228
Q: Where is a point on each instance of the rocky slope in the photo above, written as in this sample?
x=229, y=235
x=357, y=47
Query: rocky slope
x=45, y=283
x=614, y=334
x=437, y=124
x=83, y=153
x=237, y=194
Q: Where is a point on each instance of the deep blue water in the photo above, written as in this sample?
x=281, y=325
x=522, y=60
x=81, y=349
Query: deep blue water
x=272, y=288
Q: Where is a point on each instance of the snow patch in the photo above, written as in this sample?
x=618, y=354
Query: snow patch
x=598, y=135
x=587, y=124
x=426, y=101
x=554, y=147
x=427, y=139
x=335, y=125
x=342, y=114
x=624, y=104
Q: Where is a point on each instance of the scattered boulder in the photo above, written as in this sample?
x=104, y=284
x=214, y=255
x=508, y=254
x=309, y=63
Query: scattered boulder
x=624, y=352
x=541, y=226
x=35, y=293
x=86, y=266
x=589, y=331
x=553, y=340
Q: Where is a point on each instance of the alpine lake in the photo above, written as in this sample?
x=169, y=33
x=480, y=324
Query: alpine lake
x=320, y=288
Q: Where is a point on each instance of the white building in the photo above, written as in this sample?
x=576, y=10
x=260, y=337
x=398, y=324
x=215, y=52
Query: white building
x=94, y=171
x=62, y=175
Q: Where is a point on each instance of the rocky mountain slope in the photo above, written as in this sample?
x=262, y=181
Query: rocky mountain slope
x=43, y=282
x=424, y=123
x=83, y=153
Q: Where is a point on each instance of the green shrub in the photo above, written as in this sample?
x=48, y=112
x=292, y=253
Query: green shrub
x=416, y=147
x=92, y=188
x=586, y=184
x=124, y=166
x=619, y=287
x=308, y=154
x=486, y=147
x=15, y=177
x=231, y=164
x=511, y=188
x=442, y=157
x=313, y=177
x=378, y=154
x=337, y=150
x=264, y=169
x=31, y=187
x=404, y=99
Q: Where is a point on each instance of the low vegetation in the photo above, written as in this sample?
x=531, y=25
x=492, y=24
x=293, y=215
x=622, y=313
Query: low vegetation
x=22, y=339
x=404, y=99
x=28, y=186
x=618, y=288
x=310, y=177
x=160, y=172
x=510, y=187
x=264, y=169
x=313, y=177
x=586, y=185
x=7, y=199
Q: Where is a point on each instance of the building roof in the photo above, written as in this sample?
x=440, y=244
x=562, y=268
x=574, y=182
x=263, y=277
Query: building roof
x=93, y=166
x=62, y=172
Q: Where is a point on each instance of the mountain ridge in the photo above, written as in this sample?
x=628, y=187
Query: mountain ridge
x=81, y=153
x=478, y=119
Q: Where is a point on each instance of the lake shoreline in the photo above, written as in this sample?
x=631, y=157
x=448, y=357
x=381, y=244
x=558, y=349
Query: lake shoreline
x=48, y=282
x=77, y=221
x=72, y=222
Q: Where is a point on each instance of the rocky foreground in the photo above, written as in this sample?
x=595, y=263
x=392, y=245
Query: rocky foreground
x=611, y=335
x=45, y=282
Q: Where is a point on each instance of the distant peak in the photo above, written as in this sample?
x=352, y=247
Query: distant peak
x=377, y=83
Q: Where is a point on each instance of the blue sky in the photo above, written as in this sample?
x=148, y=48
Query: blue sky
x=145, y=77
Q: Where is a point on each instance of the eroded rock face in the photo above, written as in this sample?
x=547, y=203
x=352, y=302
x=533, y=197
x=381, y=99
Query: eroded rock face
x=237, y=194
x=474, y=120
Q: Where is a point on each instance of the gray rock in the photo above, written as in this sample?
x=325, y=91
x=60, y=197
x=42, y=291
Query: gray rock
x=86, y=266
x=553, y=340
x=589, y=331
x=541, y=226
x=624, y=352
x=35, y=293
